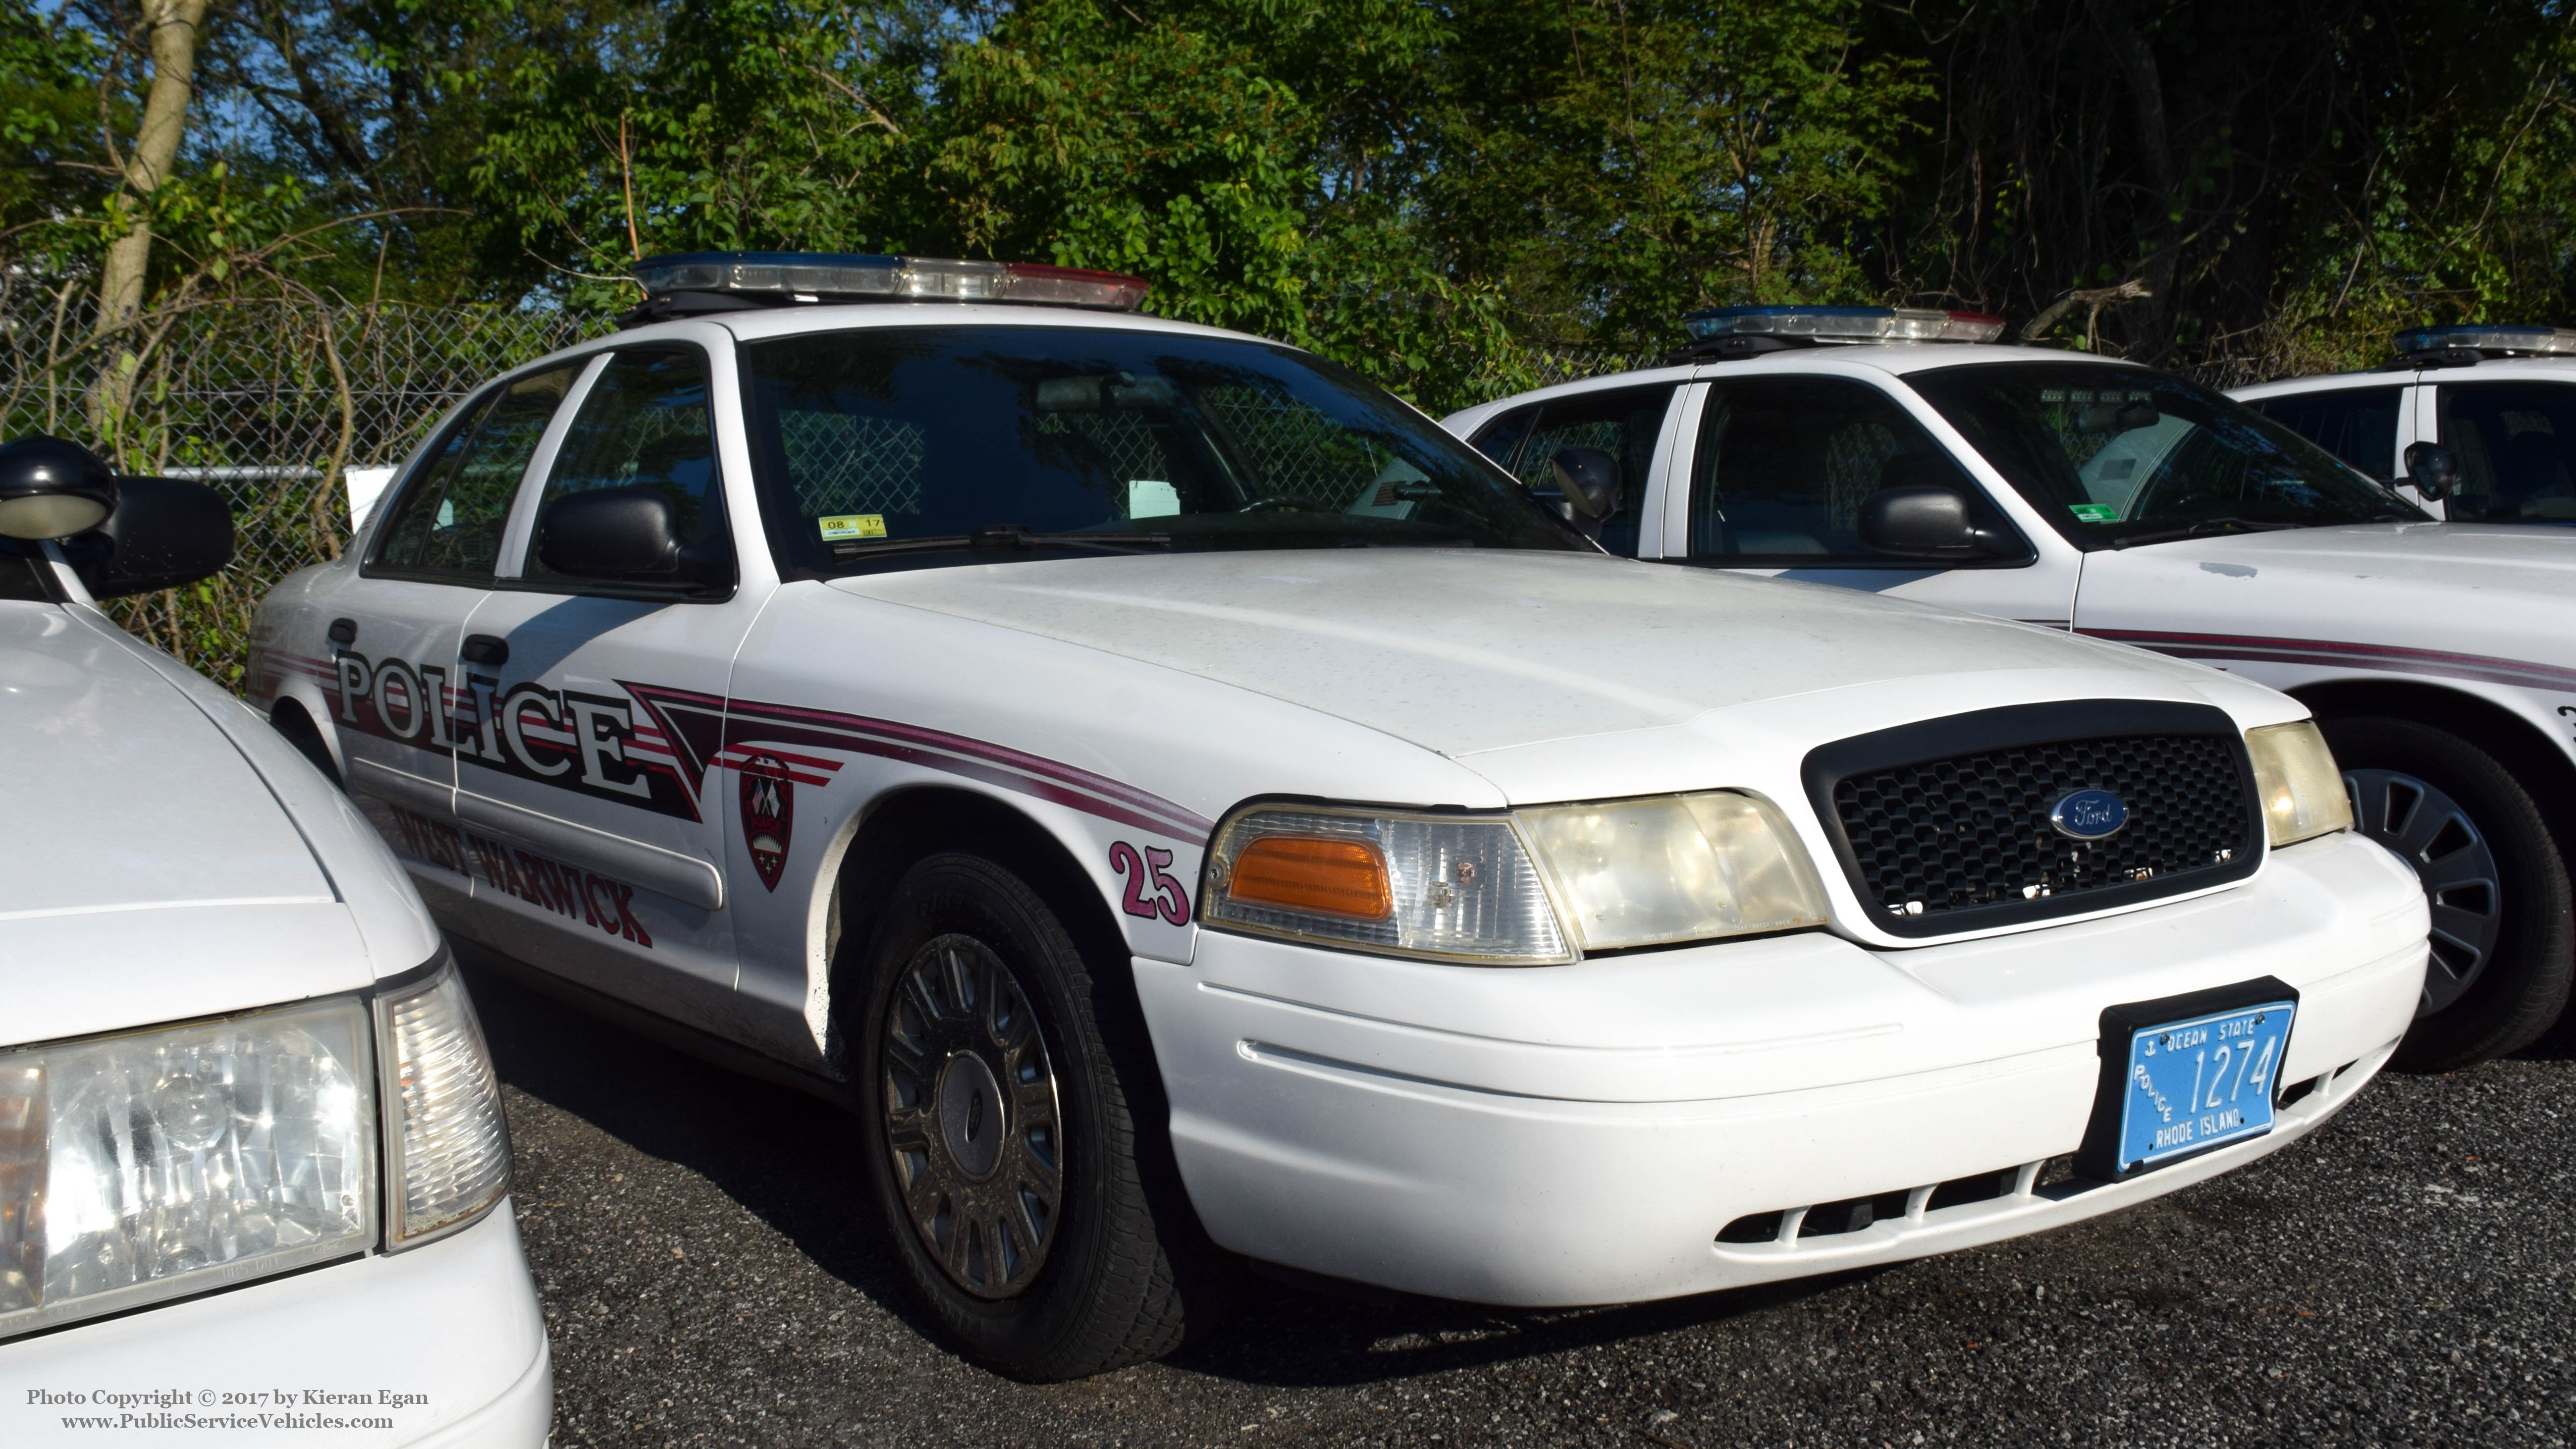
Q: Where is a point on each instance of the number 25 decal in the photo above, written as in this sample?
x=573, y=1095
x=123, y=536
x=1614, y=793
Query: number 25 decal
x=1169, y=901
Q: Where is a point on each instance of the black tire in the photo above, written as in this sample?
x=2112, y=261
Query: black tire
x=1115, y=1270
x=290, y=720
x=2503, y=961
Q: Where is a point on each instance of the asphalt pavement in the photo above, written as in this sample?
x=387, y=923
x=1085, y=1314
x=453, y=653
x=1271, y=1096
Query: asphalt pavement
x=2407, y=1276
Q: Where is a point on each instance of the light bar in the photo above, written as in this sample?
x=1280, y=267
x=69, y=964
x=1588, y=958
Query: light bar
x=844, y=276
x=1846, y=324
x=2537, y=341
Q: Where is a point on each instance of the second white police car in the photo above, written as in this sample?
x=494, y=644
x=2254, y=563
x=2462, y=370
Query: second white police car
x=1902, y=453
x=1191, y=806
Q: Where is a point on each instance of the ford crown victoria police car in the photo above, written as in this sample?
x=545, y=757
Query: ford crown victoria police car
x=1870, y=449
x=2492, y=410
x=252, y=1162
x=1180, y=796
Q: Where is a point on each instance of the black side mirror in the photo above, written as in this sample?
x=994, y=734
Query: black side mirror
x=165, y=533
x=1924, y=520
x=627, y=535
x=53, y=489
x=2433, y=469
x=1589, y=479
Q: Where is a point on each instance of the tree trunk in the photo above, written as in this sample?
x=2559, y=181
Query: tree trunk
x=172, y=28
x=2137, y=62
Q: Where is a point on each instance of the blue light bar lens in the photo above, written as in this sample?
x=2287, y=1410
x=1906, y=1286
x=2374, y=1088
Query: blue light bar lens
x=843, y=276
x=1845, y=324
x=816, y=274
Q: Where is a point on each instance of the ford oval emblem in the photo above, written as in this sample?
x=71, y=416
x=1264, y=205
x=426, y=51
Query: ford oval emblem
x=2089, y=815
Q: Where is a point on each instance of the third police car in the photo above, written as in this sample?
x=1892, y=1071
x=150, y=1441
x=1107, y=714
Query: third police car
x=1902, y=453
x=1191, y=806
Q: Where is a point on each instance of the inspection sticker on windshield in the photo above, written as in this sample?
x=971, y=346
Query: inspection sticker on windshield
x=2094, y=512
x=2197, y=1084
x=852, y=525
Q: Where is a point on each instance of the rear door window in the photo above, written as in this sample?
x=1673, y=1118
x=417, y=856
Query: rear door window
x=447, y=524
x=2516, y=442
x=2356, y=424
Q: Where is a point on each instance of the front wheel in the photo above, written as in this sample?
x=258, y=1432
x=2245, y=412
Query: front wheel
x=1003, y=1134
x=2504, y=937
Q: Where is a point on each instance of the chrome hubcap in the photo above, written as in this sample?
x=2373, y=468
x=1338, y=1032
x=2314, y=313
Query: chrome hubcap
x=970, y=1117
x=2452, y=857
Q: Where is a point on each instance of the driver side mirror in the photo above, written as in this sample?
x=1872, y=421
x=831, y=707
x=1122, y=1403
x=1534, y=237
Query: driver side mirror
x=123, y=535
x=1590, y=481
x=627, y=535
x=1926, y=521
x=2433, y=469
x=164, y=534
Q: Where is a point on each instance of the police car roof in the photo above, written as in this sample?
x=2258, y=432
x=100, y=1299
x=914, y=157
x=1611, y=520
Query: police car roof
x=1843, y=359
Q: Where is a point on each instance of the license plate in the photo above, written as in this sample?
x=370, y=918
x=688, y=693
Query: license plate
x=2201, y=1083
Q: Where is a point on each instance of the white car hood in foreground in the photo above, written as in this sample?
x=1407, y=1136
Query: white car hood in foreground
x=1465, y=652
x=167, y=856
x=2498, y=590
x=118, y=793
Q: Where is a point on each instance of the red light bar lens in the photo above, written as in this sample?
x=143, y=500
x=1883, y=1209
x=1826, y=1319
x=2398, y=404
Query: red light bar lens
x=1075, y=287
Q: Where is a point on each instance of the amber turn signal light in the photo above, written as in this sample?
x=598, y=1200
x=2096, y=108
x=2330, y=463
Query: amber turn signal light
x=1304, y=873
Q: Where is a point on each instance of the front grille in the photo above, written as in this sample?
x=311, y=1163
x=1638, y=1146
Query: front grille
x=1961, y=840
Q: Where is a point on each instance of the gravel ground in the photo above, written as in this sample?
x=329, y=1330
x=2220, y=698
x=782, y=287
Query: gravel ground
x=2405, y=1277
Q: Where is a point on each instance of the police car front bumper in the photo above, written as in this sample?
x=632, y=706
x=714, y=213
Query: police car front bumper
x=440, y=1347
x=1584, y=1134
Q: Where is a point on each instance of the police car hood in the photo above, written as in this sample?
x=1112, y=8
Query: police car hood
x=1465, y=651
x=149, y=871
x=2480, y=594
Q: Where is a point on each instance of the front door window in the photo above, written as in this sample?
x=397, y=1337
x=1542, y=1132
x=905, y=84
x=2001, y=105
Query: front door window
x=1784, y=464
x=2356, y=424
x=2516, y=442
x=644, y=424
x=1622, y=422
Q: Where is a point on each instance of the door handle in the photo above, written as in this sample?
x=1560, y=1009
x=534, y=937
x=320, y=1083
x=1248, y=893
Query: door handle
x=486, y=649
x=344, y=631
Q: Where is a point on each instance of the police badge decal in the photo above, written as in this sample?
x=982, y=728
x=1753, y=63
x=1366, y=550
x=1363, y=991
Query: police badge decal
x=768, y=814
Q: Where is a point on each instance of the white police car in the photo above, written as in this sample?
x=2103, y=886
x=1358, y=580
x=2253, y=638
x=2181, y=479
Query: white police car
x=1900, y=452
x=1178, y=795
x=252, y=1162
x=2477, y=422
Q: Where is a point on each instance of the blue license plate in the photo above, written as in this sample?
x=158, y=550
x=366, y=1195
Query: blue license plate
x=2198, y=1084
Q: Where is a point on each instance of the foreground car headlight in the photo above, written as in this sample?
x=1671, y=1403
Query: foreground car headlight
x=1675, y=868
x=2296, y=779
x=1530, y=888
x=146, y=1165
x=447, y=1148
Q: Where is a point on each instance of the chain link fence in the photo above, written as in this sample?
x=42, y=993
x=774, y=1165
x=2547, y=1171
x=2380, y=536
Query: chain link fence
x=271, y=402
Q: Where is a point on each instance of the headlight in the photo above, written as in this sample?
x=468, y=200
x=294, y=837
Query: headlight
x=447, y=1149
x=1675, y=868
x=150, y=1164
x=1530, y=888
x=2296, y=778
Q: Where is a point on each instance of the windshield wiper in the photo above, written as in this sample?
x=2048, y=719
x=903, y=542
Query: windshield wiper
x=2202, y=528
x=1008, y=537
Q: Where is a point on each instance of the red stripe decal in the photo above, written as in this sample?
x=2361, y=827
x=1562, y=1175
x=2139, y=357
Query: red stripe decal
x=2327, y=652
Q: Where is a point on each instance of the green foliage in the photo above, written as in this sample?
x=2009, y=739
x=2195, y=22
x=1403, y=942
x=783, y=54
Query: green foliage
x=1433, y=191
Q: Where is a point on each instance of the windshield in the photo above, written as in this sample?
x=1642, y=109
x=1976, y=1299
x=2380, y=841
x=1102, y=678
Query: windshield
x=889, y=442
x=2120, y=455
